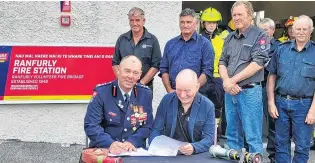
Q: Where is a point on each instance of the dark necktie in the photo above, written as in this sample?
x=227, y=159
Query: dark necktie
x=126, y=98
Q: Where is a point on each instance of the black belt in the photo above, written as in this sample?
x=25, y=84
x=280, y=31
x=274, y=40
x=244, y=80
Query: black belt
x=251, y=85
x=294, y=97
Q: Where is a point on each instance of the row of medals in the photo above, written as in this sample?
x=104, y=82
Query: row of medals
x=138, y=114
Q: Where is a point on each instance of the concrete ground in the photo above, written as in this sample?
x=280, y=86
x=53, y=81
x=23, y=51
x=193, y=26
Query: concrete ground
x=14, y=151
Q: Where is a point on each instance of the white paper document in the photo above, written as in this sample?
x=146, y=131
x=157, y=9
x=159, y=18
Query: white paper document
x=164, y=146
x=160, y=146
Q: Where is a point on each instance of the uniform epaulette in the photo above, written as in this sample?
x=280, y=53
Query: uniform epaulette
x=312, y=43
x=102, y=84
x=285, y=42
x=142, y=86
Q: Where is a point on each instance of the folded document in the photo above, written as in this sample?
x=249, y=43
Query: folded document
x=160, y=146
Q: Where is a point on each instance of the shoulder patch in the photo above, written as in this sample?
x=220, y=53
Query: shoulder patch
x=142, y=86
x=102, y=84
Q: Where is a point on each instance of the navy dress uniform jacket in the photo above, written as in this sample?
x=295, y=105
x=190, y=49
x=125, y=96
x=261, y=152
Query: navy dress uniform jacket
x=201, y=123
x=109, y=119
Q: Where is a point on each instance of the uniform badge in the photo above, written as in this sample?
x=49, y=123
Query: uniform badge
x=93, y=95
x=112, y=114
x=120, y=104
x=262, y=42
x=133, y=121
x=141, y=115
x=144, y=46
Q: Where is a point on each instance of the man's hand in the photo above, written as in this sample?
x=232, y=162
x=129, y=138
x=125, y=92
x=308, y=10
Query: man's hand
x=310, y=117
x=117, y=148
x=129, y=147
x=187, y=149
x=273, y=111
x=235, y=90
x=227, y=85
x=231, y=87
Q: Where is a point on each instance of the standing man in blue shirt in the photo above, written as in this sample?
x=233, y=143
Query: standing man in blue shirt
x=187, y=51
x=268, y=25
x=292, y=80
x=241, y=66
x=138, y=41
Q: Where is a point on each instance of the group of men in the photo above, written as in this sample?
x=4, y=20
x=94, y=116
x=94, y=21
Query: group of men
x=203, y=74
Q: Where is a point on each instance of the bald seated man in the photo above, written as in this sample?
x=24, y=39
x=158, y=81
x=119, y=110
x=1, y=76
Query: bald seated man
x=119, y=115
x=186, y=115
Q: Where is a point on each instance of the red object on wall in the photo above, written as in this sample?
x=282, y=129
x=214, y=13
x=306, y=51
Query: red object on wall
x=65, y=20
x=65, y=6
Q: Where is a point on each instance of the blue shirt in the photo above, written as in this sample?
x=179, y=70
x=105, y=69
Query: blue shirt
x=196, y=54
x=295, y=70
x=273, y=46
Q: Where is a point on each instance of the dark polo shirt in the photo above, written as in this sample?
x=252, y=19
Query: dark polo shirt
x=148, y=50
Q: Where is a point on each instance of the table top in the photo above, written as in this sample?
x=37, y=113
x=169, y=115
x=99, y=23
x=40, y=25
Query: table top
x=200, y=158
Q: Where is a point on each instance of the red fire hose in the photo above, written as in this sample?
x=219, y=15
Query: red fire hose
x=98, y=155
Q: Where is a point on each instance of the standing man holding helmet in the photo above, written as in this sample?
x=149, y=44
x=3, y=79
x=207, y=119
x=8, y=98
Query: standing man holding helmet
x=210, y=18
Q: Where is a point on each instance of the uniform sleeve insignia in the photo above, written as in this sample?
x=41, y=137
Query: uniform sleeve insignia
x=262, y=42
x=94, y=94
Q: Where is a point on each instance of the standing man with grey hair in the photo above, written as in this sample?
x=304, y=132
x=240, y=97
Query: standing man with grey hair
x=241, y=69
x=292, y=82
x=189, y=50
x=138, y=41
x=268, y=25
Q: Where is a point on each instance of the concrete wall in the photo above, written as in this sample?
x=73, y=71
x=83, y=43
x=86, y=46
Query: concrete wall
x=93, y=23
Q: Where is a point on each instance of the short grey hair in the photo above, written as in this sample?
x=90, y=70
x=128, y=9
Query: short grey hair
x=248, y=6
x=268, y=21
x=188, y=12
x=307, y=18
x=131, y=57
x=136, y=11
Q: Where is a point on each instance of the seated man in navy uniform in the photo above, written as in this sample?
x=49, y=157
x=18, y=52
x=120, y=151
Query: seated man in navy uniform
x=186, y=115
x=119, y=115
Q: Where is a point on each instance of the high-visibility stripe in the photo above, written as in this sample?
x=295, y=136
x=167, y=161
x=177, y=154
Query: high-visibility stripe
x=100, y=159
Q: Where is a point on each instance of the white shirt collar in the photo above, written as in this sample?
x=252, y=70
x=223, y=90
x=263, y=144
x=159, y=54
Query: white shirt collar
x=123, y=92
